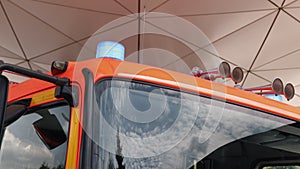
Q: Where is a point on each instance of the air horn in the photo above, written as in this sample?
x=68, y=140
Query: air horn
x=275, y=88
x=223, y=71
x=289, y=91
x=237, y=75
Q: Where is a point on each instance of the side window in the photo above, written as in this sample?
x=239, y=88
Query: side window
x=37, y=140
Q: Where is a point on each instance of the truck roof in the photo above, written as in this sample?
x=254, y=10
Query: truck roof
x=110, y=68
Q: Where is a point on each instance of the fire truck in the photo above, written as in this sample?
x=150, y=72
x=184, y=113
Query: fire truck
x=107, y=113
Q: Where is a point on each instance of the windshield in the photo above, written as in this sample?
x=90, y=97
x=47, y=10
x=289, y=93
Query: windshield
x=139, y=125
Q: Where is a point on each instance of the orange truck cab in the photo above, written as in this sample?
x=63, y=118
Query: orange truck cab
x=106, y=113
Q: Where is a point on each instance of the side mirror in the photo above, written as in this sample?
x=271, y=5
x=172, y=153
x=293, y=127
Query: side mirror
x=15, y=110
x=3, y=99
x=50, y=131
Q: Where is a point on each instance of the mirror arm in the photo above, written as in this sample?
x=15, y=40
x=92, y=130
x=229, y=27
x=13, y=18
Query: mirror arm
x=33, y=74
x=68, y=92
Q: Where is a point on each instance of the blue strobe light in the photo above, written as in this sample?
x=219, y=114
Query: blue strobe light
x=110, y=49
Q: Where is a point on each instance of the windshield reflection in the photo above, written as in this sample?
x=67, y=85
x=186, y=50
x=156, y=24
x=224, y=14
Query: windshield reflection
x=145, y=126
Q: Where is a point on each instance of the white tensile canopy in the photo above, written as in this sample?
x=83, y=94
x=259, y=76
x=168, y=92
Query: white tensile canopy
x=260, y=36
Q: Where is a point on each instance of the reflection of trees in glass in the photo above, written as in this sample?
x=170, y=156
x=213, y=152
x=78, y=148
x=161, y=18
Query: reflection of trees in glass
x=119, y=155
x=45, y=166
x=111, y=164
x=282, y=167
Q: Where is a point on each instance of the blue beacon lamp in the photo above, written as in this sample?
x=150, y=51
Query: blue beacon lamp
x=110, y=49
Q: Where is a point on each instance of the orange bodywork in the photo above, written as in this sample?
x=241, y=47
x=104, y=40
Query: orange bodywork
x=104, y=68
x=109, y=68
